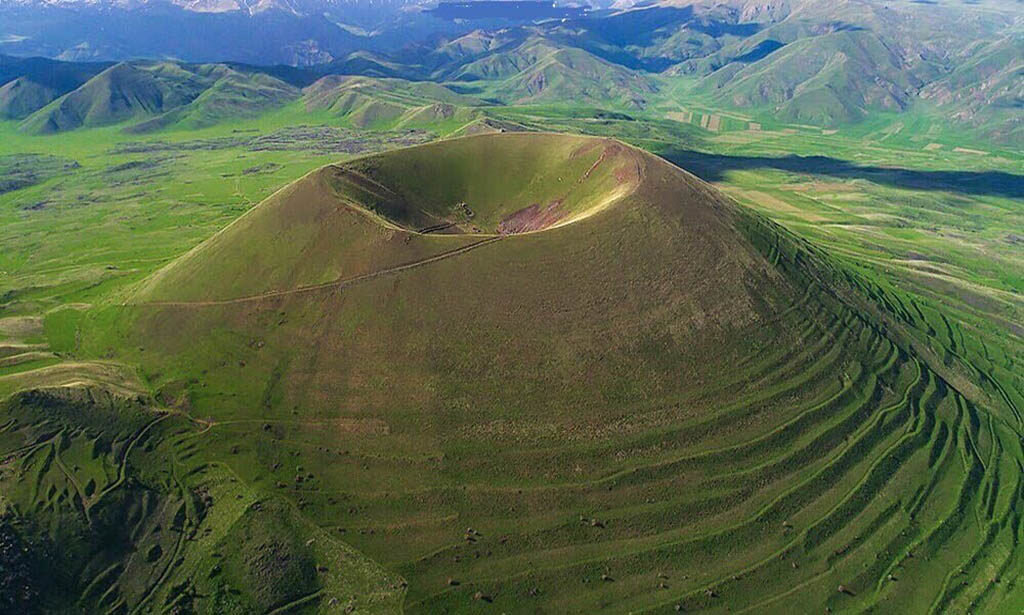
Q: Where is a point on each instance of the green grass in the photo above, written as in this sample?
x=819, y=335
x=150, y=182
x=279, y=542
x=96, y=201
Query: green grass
x=138, y=520
x=739, y=411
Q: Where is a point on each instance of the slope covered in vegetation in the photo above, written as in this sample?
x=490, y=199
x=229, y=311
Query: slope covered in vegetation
x=648, y=399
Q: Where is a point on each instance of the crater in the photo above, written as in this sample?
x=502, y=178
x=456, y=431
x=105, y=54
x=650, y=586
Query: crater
x=492, y=184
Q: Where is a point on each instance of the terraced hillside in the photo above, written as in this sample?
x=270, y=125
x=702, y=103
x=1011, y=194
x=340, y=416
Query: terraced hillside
x=543, y=373
x=106, y=508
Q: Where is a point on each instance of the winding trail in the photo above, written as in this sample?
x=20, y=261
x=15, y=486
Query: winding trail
x=122, y=472
x=342, y=283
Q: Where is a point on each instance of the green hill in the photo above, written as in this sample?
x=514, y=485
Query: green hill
x=541, y=71
x=826, y=80
x=233, y=95
x=394, y=103
x=473, y=45
x=123, y=92
x=389, y=199
x=22, y=96
x=29, y=84
x=102, y=510
x=987, y=92
x=542, y=373
x=372, y=65
x=836, y=63
x=158, y=95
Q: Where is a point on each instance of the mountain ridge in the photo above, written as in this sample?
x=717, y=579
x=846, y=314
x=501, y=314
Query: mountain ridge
x=794, y=61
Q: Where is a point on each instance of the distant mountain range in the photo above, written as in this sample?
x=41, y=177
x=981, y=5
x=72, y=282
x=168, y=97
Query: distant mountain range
x=803, y=61
x=49, y=96
x=252, y=7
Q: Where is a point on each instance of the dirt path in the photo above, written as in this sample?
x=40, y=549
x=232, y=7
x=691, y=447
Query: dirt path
x=597, y=163
x=335, y=284
x=122, y=472
x=297, y=603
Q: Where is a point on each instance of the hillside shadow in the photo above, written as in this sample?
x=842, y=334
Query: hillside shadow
x=712, y=167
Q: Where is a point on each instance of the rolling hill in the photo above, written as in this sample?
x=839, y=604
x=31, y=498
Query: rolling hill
x=233, y=95
x=536, y=373
x=830, y=80
x=945, y=67
x=369, y=102
x=124, y=91
x=539, y=70
x=987, y=92
x=157, y=94
x=28, y=84
x=832, y=64
x=20, y=97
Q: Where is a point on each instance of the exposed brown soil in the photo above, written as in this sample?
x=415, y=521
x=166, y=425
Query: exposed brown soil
x=21, y=326
x=532, y=218
x=535, y=217
x=609, y=150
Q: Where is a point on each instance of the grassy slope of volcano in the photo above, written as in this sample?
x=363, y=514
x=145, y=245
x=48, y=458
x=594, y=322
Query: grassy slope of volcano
x=353, y=219
x=666, y=402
